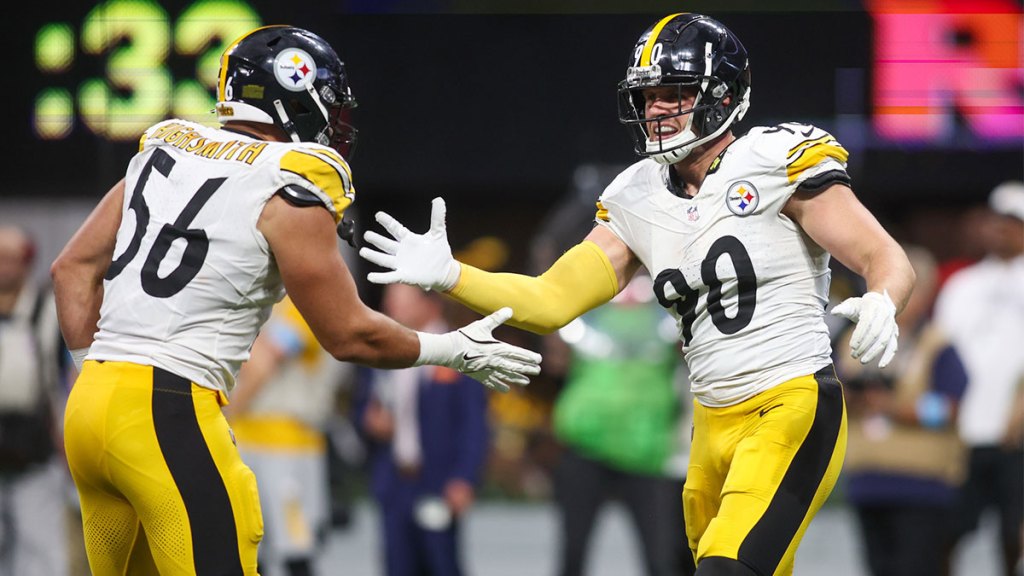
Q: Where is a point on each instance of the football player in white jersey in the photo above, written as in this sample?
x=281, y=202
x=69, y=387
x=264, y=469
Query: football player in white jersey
x=178, y=267
x=737, y=232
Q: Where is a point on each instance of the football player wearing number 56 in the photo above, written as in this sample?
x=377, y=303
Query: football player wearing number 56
x=178, y=267
x=737, y=232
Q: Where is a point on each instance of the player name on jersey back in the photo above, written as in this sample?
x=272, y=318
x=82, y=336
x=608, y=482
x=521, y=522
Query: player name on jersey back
x=192, y=277
x=191, y=140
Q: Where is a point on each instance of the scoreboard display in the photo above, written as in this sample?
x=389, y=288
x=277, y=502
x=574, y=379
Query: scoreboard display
x=514, y=102
x=152, y=65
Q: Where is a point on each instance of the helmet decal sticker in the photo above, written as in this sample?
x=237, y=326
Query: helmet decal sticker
x=294, y=69
x=742, y=198
x=252, y=92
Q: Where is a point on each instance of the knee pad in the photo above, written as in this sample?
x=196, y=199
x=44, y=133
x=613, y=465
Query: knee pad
x=721, y=566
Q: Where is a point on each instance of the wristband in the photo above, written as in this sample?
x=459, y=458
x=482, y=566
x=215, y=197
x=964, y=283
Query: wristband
x=451, y=278
x=435, y=349
x=78, y=357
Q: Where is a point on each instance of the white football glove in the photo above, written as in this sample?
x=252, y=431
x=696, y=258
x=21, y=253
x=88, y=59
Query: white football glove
x=876, y=332
x=423, y=260
x=474, y=352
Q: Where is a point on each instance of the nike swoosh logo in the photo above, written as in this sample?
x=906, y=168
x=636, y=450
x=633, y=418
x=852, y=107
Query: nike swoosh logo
x=767, y=410
x=467, y=358
x=808, y=133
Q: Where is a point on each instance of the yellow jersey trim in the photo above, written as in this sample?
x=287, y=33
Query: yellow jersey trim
x=807, y=144
x=332, y=179
x=812, y=155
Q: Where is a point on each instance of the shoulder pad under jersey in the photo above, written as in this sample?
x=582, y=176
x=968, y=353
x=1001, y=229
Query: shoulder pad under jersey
x=801, y=148
x=321, y=171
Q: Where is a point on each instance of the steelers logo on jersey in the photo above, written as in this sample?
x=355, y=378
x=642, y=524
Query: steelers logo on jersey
x=294, y=69
x=742, y=198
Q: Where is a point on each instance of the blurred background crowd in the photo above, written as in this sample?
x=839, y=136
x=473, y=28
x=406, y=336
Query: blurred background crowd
x=507, y=110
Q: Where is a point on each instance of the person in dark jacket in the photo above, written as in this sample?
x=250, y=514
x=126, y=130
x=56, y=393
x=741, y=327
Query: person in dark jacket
x=428, y=432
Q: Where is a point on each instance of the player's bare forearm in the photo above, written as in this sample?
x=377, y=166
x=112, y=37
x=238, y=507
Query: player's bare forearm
x=839, y=223
x=78, y=271
x=377, y=340
x=78, y=309
x=889, y=269
x=321, y=286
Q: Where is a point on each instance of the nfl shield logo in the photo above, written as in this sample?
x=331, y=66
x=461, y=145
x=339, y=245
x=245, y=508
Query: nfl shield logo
x=691, y=214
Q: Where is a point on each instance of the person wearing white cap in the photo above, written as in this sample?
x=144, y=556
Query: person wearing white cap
x=981, y=308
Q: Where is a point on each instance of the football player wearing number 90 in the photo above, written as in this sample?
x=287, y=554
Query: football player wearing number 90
x=178, y=267
x=738, y=233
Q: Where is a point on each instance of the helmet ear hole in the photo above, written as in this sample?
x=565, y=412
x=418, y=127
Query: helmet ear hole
x=297, y=108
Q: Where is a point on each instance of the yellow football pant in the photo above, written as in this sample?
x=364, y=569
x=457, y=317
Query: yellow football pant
x=161, y=483
x=761, y=469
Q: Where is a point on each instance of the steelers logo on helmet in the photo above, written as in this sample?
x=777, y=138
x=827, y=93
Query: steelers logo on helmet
x=742, y=198
x=294, y=69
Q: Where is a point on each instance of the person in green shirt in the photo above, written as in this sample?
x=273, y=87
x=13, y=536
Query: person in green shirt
x=621, y=418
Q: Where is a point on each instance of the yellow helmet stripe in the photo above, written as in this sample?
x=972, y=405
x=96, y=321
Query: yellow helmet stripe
x=645, y=57
x=224, y=59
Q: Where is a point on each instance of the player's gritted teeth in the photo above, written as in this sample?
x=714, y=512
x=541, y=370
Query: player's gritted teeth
x=662, y=130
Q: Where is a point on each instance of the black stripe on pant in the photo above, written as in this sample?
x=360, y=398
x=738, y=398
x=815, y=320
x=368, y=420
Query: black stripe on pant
x=766, y=544
x=212, y=522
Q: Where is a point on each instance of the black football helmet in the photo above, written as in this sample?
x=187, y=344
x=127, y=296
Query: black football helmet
x=291, y=78
x=685, y=50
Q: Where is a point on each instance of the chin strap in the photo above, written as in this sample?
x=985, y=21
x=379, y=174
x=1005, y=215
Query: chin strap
x=673, y=155
x=286, y=122
x=289, y=126
x=319, y=102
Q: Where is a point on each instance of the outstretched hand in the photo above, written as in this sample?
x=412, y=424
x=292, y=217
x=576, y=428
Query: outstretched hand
x=423, y=260
x=473, y=351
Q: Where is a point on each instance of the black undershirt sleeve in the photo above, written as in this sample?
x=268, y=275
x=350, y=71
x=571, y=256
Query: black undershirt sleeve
x=821, y=182
x=302, y=198
x=299, y=196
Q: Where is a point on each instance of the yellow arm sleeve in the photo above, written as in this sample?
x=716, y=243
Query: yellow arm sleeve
x=582, y=279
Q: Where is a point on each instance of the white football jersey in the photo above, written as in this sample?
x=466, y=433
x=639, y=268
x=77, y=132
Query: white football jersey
x=747, y=287
x=193, y=279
